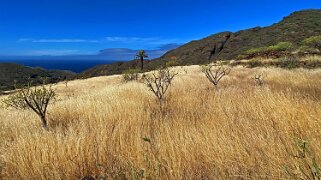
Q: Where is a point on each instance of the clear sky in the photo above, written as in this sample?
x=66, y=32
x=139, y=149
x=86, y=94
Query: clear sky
x=62, y=27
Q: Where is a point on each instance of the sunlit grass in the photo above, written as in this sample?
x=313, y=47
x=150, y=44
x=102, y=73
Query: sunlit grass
x=102, y=127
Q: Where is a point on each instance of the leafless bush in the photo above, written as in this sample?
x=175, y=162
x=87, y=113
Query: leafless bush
x=159, y=81
x=66, y=83
x=215, y=75
x=258, y=79
x=35, y=98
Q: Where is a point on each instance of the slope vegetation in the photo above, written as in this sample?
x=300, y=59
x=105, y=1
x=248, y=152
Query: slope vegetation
x=11, y=72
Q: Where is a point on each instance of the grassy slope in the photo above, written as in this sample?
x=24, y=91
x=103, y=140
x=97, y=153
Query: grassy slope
x=98, y=125
x=9, y=72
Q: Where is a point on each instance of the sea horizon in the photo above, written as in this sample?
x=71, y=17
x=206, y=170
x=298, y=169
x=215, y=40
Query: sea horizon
x=76, y=66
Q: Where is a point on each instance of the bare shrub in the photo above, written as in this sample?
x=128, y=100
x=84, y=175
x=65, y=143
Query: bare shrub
x=215, y=75
x=258, y=79
x=159, y=81
x=66, y=81
x=35, y=98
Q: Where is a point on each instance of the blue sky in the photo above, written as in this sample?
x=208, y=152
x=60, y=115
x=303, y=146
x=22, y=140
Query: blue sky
x=64, y=27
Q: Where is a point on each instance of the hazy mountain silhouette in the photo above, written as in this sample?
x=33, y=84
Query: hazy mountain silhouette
x=110, y=54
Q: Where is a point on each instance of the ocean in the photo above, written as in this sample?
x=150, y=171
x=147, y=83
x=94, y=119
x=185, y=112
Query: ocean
x=76, y=66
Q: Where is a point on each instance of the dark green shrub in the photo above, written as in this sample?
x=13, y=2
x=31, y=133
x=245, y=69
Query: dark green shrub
x=131, y=75
x=254, y=63
x=172, y=63
x=313, y=42
x=305, y=50
x=280, y=49
x=289, y=63
x=282, y=46
x=255, y=52
x=241, y=56
x=312, y=63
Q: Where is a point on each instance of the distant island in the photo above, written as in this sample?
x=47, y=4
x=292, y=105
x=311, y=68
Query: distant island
x=79, y=63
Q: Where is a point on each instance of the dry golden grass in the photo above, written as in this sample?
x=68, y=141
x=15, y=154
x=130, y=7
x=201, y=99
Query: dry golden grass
x=102, y=127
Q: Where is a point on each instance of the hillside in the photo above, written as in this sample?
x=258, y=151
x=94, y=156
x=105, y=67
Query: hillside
x=108, y=69
x=228, y=45
x=104, y=128
x=9, y=72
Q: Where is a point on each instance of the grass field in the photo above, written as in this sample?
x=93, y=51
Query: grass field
x=105, y=128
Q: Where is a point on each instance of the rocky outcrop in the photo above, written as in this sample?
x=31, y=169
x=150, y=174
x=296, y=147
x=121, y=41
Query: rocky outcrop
x=219, y=46
x=200, y=51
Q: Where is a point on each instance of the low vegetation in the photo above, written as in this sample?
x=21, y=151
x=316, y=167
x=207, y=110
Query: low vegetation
x=131, y=75
x=105, y=129
x=313, y=43
x=11, y=72
x=274, y=51
x=36, y=99
x=172, y=62
x=258, y=79
x=290, y=62
x=215, y=75
x=159, y=81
